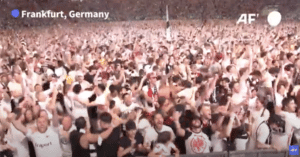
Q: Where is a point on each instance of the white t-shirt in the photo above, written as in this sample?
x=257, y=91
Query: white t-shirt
x=84, y=95
x=189, y=93
x=266, y=114
x=68, y=102
x=143, y=125
x=240, y=144
x=100, y=100
x=197, y=143
x=15, y=87
x=78, y=108
x=4, y=106
x=244, y=89
x=64, y=140
x=145, y=90
x=269, y=78
x=278, y=99
x=237, y=98
x=72, y=74
x=242, y=63
x=164, y=149
x=252, y=104
x=60, y=71
x=217, y=142
x=292, y=121
x=118, y=101
x=46, y=144
x=148, y=68
x=280, y=141
x=260, y=132
x=19, y=141
x=127, y=109
x=151, y=134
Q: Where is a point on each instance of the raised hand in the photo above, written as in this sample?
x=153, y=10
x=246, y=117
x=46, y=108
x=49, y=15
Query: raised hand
x=176, y=115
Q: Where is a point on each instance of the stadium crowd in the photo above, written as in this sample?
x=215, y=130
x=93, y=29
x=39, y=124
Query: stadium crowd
x=121, y=92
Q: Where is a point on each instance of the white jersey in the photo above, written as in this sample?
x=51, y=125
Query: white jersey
x=164, y=149
x=65, y=141
x=46, y=144
x=19, y=141
x=151, y=134
x=197, y=143
x=80, y=110
x=217, y=142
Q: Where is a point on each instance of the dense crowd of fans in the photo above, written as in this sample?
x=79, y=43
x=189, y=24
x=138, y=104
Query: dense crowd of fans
x=128, y=91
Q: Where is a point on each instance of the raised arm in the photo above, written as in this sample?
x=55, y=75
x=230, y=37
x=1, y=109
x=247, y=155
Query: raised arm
x=179, y=130
x=89, y=138
x=142, y=82
x=229, y=126
x=55, y=120
x=277, y=106
x=18, y=124
x=122, y=77
x=211, y=86
x=96, y=77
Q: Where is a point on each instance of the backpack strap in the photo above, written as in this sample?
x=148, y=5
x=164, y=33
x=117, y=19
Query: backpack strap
x=268, y=141
x=262, y=114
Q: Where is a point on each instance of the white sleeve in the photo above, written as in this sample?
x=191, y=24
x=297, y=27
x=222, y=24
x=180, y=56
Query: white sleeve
x=48, y=91
x=266, y=114
x=145, y=89
x=278, y=100
x=100, y=140
x=172, y=146
x=172, y=133
x=157, y=149
x=29, y=134
x=181, y=93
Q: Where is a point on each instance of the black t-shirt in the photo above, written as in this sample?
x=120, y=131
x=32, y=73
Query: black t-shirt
x=208, y=131
x=89, y=78
x=180, y=141
x=77, y=150
x=110, y=146
x=187, y=134
x=125, y=143
x=92, y=110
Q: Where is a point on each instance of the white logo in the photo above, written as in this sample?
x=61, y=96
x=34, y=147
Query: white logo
x=293, y=150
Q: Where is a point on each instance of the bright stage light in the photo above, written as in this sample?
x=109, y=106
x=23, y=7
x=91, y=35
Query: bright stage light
x=274, y=18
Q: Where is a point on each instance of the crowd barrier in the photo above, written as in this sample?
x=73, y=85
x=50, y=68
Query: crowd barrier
x=249, y=153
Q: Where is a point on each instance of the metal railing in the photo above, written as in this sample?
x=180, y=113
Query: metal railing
x=248, y=153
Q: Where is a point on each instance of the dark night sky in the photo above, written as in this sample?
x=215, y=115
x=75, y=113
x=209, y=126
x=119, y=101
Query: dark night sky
x=126, y=10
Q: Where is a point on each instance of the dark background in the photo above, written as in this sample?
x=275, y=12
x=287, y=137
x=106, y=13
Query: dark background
x=129, y=10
